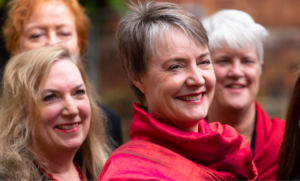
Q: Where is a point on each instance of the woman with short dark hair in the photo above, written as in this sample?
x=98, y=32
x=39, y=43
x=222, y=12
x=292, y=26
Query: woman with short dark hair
x=164, y=51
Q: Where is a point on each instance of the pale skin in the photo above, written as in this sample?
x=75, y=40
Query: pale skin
x=179, y=83
x=51, y=23
x=64, y=121
x=237, y=74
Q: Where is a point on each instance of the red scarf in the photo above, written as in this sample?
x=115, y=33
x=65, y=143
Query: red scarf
x=158, y=150
x=269, y=135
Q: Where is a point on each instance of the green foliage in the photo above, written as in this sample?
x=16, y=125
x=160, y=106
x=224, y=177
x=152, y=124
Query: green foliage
x=118, y=5
x=90, y=6
x=3, y=3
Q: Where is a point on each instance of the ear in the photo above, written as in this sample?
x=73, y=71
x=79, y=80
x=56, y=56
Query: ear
x=138, y=83
x=261, y=62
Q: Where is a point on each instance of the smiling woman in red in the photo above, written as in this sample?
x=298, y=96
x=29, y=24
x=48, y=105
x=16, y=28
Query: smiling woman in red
x=235, y=43
x=164, y=51
x=50, y=126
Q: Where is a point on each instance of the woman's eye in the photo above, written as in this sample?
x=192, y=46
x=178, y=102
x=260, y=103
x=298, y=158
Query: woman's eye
x=204, y=63
x=65, y=34
x=50, y=97
x=174, y=67
x=248, y=61
x=80, y=92
x=34, y=36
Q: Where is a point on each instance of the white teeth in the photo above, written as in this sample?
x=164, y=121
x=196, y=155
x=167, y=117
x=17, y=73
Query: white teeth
x=236, y=86
x=68, y=127
x=191, y=98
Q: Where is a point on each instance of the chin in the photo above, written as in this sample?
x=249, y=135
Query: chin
x=196, y=117
x=235, y=106
x=73, y=144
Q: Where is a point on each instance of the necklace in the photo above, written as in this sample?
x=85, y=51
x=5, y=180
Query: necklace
x=53, y=179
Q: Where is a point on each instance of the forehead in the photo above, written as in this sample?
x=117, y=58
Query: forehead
x=172, y=40
x=225, y=49
x=51, y=12
x=64, y=72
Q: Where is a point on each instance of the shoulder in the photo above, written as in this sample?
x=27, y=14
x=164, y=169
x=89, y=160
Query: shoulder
x=138, y=160
x=130, y=162
x=143, y=160
x=263, y=118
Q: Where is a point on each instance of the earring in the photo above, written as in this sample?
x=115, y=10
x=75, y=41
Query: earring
x=142, y=91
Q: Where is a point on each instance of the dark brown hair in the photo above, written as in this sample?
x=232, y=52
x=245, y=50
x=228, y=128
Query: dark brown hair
x=289, y=154
x=149, y=22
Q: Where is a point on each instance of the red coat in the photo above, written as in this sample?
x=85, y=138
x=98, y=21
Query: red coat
x=269, y=135
x=159, y=151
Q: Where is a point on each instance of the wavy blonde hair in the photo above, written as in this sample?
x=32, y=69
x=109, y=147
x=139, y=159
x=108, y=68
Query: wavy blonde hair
x=20, y=105
x=21, y=10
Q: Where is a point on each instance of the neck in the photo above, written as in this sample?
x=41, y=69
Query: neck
x=241, y=120
x=60, y=163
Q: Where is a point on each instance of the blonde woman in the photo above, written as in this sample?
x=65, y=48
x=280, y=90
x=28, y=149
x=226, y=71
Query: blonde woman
x=50, y=125
x=36, y=23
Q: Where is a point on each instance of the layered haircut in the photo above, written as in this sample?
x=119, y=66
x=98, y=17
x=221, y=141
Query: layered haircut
x=234, y=29
x=149, y=23
x=289, y=154
x=21, y=10
x=20, y=107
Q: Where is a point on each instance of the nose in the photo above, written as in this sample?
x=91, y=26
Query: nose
x=195, y=77
x=70, y=108
x=236, y=70
x=53, y=39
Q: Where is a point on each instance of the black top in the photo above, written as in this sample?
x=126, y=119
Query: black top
x=252, y=144
x=113, y=126
x=297, y=177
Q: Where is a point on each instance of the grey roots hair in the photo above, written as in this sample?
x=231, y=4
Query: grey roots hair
x=139, y=31
x=235, y=29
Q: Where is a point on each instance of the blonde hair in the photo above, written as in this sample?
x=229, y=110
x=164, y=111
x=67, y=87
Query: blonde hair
x=21, y=10
x=20, y=103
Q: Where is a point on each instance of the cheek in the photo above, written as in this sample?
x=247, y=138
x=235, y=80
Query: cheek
x=85, y=109
x=76, y=45
x=253, y=76
x=49, y=114
x=220, y=73
x=22, y=45
x=210, y=79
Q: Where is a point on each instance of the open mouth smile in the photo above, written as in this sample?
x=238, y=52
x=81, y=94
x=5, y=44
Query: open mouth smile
x=235, y=86
x=192, y=98
x=67, y=126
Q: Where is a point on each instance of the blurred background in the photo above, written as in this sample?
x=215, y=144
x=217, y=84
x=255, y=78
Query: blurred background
x=281, y=58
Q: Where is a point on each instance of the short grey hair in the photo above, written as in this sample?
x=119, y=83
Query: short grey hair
x=139, y=32
x=235, y=29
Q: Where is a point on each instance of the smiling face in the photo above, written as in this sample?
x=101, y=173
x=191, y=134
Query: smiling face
x=237, y=74
x=52, y=23
x=179, y=83
x=65, y=115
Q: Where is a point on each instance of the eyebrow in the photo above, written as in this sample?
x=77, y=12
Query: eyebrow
x=41, y=27
x=179, y=58
x=55, y=90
